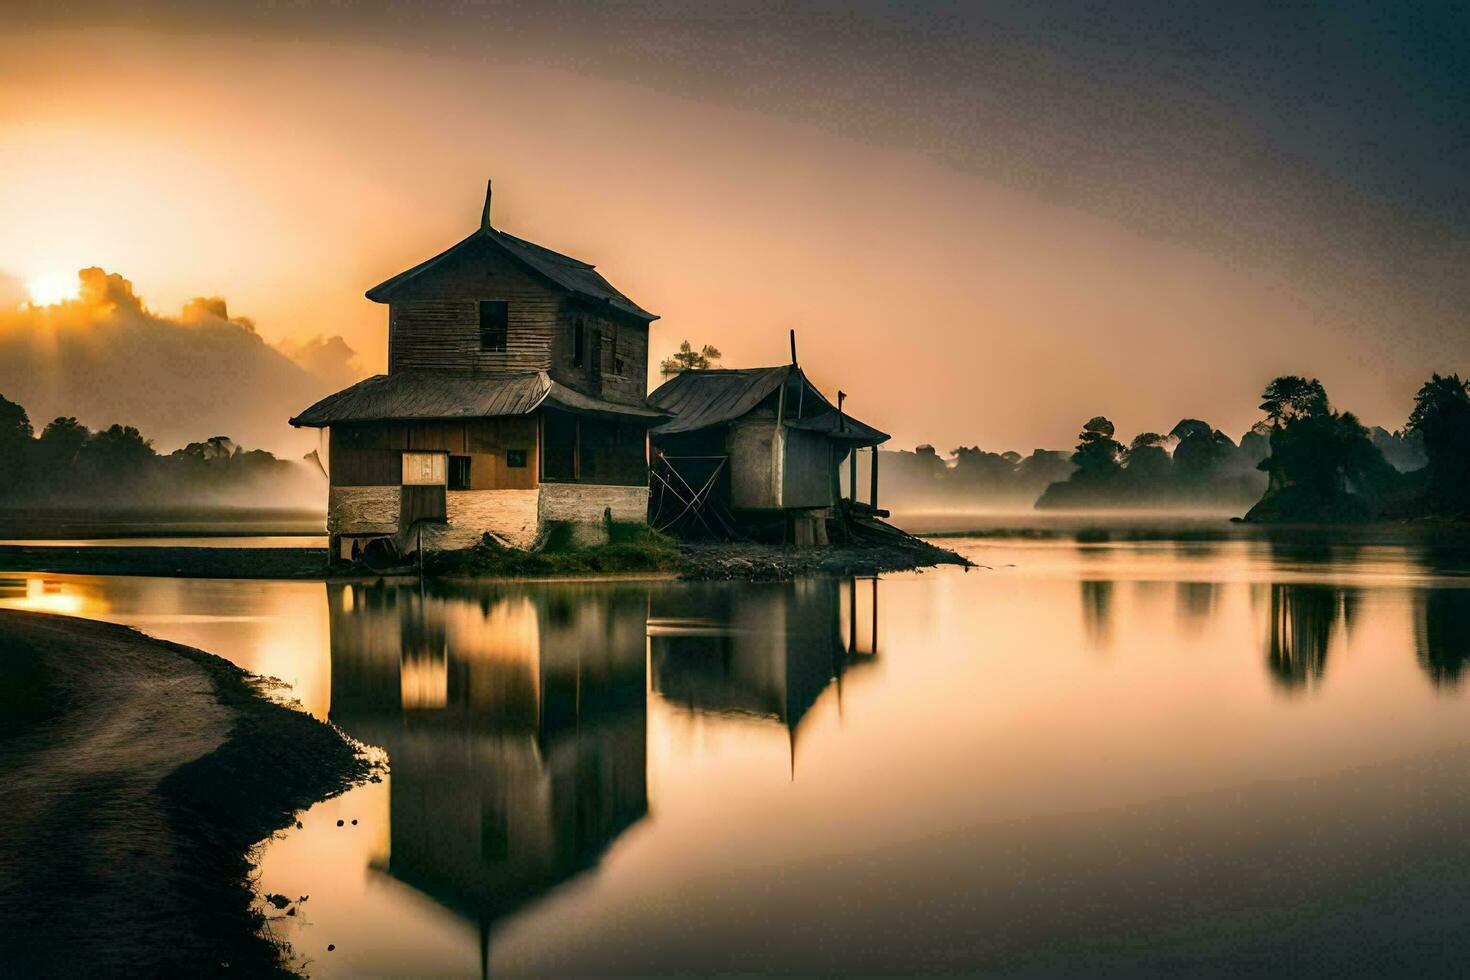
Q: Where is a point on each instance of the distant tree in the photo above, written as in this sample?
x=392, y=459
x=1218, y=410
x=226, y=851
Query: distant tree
x=15, y=425
x=1441, y=416
x=1098, y=454
x=215, y=447
x=60, y=443
x=1148, y=462
x=15, y=446
x=1316, y=448
x=114, y=459
x=686, y=358
x=1289, y=397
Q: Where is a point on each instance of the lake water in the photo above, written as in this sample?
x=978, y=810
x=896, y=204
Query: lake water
x=1097, y=757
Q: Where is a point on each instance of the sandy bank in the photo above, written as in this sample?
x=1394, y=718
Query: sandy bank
x=136, y=775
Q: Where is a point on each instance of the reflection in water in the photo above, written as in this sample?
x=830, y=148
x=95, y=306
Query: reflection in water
x=765, y=651
x=1026, y=809
x=1194, y=604
x=1097, y=610
x=515, y=724
x=515, y=717
x=1300, y=632
x=1442, y=634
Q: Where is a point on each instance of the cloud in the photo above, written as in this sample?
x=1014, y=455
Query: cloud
x=105, y=357
x=328, y=358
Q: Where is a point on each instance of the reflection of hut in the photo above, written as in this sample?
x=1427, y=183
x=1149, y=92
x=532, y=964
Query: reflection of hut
x=751, y=446
x=763, y=650
x=515, y=722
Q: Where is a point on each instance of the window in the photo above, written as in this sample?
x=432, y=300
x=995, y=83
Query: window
x=579, y=344
x=494, y=325
x=617, y=361
x=515, y=458
x=423, y=469
x=594, y=355
x=459, y=472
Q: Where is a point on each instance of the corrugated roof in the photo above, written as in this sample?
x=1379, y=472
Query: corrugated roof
x=408, y=396
x=700, y=399
x=845, y=427
x=571, y=274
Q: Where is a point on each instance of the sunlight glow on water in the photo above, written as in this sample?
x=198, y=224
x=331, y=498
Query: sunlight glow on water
x=1092, y=758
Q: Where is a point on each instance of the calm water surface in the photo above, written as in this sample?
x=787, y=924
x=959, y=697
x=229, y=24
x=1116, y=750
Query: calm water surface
x=1092, y=758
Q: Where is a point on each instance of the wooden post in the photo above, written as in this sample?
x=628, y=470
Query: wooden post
x=874, y=480
x=852, y=475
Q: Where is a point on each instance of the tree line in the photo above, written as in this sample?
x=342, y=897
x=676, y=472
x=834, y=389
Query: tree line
x=1304, y=461
x=67, y=464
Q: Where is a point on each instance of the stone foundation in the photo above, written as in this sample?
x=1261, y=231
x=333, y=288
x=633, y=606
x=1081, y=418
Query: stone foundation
x=510, y=515
x=362, y=510
x=516, y=517
x=584, y=506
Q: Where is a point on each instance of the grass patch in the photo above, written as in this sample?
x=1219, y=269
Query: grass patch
x=630, y=548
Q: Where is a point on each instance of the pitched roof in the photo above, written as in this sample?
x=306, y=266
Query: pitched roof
x=700, y=399
x=570, y=274
x=408, y=396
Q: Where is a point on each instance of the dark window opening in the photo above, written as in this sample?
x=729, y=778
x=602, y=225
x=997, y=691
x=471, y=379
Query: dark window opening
x=579, y=344
x=594, y=355
x=558, y=447
x=459, y=472
x=515, y=458
x=494, y=325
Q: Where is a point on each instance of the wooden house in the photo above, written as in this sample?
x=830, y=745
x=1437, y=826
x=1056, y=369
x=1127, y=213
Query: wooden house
x=514, y=401
x=762, y=444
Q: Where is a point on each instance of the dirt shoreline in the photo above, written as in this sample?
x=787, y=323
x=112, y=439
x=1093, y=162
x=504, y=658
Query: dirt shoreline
x=137, y=776
x=753, y=562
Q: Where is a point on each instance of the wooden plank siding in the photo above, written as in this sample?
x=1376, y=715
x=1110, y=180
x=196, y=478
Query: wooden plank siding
x=370, y=454
x=623, y=340
x=434, y=325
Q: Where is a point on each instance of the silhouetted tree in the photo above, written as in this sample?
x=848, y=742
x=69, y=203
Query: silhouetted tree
x=15, y=446
x=1098, y=454
x=1289, y=397
x=1321, y=459
x=1441, y=416
x=686, y=358
x=1149, y=464
x=57, y=449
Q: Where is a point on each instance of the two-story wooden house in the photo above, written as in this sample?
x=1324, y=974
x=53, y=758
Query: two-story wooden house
x=514, y=401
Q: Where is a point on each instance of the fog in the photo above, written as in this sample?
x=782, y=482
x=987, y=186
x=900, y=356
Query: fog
x=105, y=357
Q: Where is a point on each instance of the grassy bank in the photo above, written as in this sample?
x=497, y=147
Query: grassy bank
x=630, y=548
x=144, y=774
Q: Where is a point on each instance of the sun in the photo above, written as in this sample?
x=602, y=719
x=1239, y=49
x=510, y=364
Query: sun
x=51, y=288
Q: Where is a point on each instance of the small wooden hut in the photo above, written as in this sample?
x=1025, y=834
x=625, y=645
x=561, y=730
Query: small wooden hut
x=514, y=401
x=752, y=447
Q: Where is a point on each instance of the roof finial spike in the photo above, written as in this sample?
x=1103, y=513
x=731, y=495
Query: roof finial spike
x=485, y=214
x=793, y=347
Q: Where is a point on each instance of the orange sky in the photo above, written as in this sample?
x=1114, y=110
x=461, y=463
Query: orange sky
x=289, y=176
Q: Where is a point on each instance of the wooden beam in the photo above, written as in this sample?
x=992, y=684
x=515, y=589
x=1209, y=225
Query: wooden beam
x=852, y=475
x=874, y=492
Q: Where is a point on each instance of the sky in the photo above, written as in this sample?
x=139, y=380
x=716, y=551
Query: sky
x=986, y=222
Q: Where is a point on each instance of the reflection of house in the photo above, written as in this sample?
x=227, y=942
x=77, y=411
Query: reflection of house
x=765, y=650
x=515, y=723
x=763, y=440
x=514, y=399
